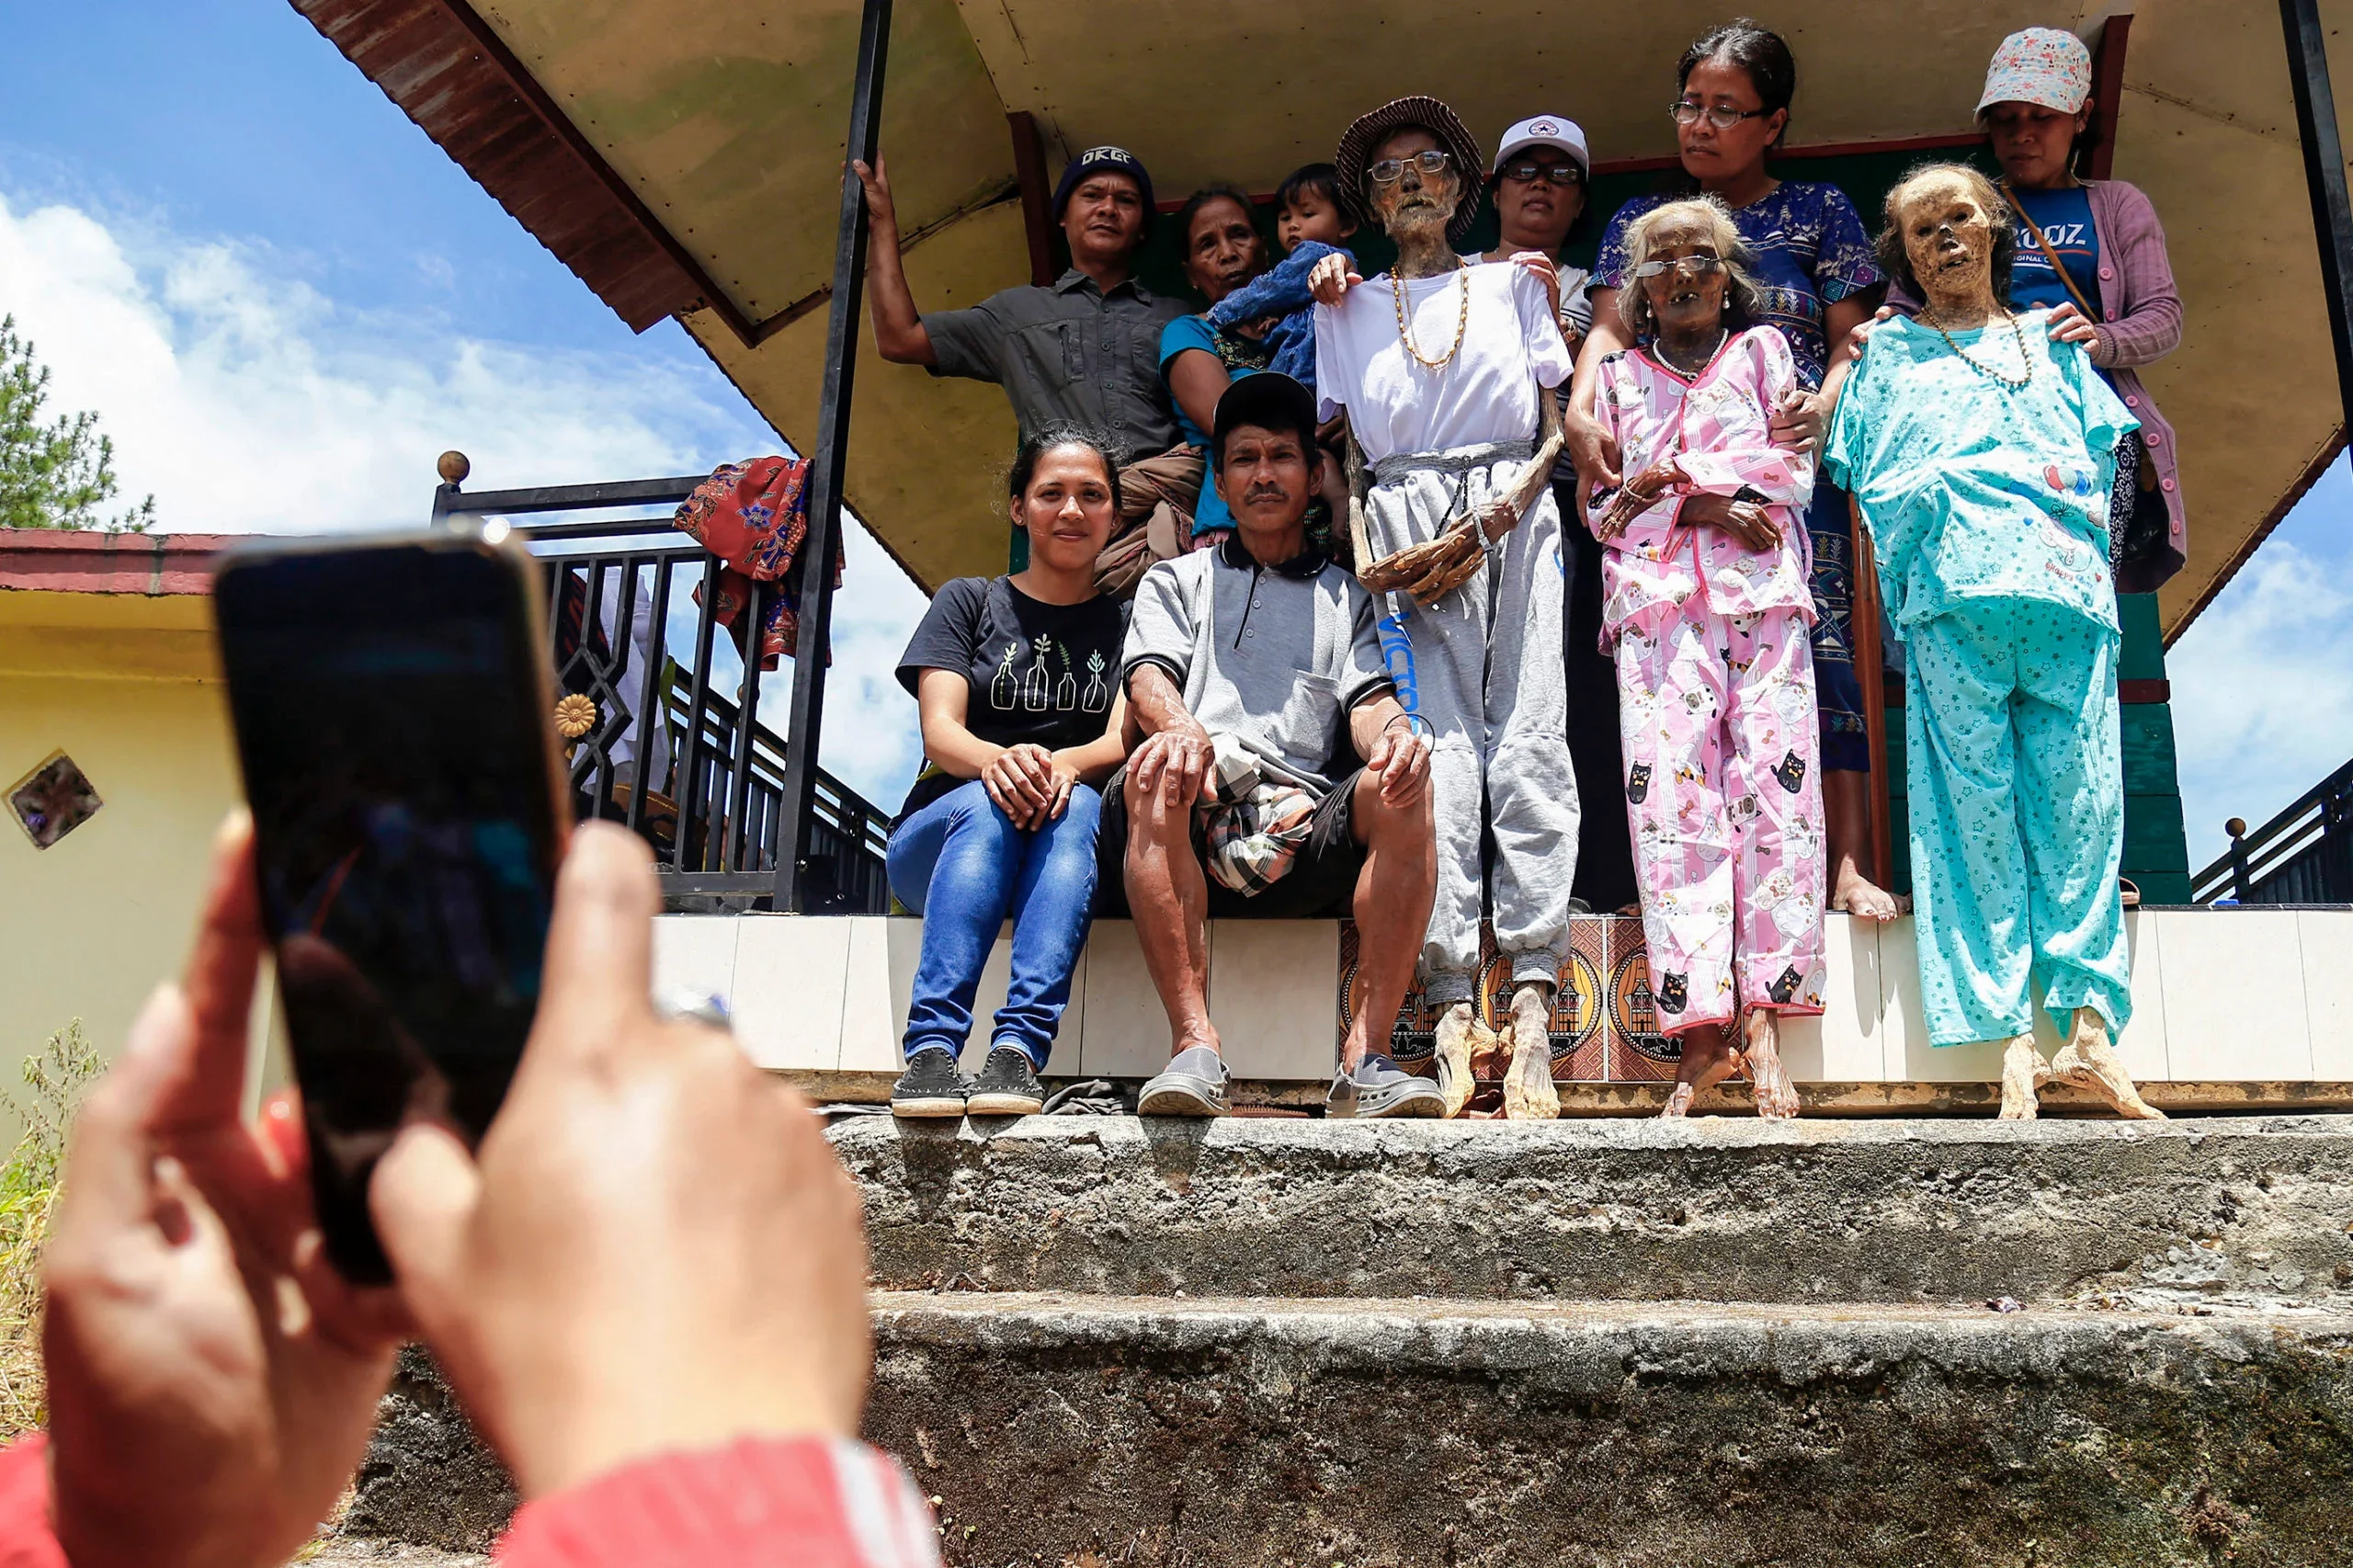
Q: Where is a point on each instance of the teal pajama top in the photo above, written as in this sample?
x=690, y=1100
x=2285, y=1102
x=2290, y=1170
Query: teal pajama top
x=1987, y=507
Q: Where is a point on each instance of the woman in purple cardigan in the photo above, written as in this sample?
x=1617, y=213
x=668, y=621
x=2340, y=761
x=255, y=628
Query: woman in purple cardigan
x=2093, y=253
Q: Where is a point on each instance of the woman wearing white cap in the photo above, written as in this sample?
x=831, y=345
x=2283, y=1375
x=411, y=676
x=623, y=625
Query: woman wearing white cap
x=1538, y=184
x=2093, y=254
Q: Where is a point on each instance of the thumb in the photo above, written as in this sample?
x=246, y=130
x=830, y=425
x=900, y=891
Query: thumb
x=423, y=1197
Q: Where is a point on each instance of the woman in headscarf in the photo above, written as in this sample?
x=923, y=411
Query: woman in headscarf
x=1445, y=370
x=1819, y=281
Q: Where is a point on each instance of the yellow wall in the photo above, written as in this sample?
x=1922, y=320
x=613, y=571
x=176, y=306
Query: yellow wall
x=127, y=686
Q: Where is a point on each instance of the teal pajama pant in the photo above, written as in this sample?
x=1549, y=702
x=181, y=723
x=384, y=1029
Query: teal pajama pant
x=2017, y=818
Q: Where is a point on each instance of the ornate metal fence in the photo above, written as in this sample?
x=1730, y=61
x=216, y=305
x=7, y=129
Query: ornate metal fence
x=660, y=745
x=2303, y=856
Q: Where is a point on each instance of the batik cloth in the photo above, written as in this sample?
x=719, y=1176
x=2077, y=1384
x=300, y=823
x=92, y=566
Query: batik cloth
x=1724, y=800
x=2014, y=780
x=1253, y=826
x=755, y=517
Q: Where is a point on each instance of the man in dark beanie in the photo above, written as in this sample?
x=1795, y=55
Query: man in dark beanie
x=1084, y=350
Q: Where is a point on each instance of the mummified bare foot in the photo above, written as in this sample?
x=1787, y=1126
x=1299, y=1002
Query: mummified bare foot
x=1529, y=1095
x=2022, y=1074
x=2088, y=1061
x=1457, y=1031
x=1777, y=1097
x=1708, y=1060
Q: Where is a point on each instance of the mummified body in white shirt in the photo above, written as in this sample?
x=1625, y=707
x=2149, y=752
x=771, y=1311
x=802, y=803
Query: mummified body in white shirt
x=1445, y=369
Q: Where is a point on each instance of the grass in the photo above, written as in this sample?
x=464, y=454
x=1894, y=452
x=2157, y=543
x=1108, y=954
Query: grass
x=55, y=1079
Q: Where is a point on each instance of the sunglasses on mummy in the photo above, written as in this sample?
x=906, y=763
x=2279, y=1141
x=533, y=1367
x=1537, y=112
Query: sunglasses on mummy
x=1388, y=171
x=1700, y=265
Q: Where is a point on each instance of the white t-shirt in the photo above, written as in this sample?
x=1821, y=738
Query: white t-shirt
x=1487, y=393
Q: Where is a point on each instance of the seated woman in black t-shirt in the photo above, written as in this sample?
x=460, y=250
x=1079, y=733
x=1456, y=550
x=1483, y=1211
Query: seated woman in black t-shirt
x=1018, y=681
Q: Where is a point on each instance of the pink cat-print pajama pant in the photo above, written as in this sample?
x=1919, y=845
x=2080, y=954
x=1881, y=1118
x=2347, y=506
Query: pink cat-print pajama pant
x=1724, y=796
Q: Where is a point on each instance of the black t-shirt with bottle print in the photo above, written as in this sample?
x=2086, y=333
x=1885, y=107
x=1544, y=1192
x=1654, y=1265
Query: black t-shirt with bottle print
x=1041, y=674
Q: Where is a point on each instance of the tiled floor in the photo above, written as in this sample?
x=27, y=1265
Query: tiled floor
x=2237, y=994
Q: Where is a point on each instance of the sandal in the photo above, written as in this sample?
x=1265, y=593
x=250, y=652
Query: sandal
x=2131, y=895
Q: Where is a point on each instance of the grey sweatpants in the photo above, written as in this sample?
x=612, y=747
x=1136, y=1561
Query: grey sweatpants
x=1484, y=667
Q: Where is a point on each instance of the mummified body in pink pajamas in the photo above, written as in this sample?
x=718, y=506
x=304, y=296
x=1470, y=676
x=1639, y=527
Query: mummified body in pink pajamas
x=1706, y=599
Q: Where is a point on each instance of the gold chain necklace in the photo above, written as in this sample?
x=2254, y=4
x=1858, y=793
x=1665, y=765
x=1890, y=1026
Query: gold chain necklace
x=1462, y=318
x=1987, y=371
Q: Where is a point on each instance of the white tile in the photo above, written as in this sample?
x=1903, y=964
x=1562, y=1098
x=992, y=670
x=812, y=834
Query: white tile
x=2328, y=940
x=695, y=952
x=870, y=1036
x=2233, y=985
x=790, y=972
x=1843, y=1044
x=2146, y=1042
x=1126, y=1031
x=1275, y=996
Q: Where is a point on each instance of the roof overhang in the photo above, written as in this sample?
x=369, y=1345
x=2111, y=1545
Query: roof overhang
x=684, y=160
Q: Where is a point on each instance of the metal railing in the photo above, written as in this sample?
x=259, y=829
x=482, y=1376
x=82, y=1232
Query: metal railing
x=682, y=764
x=2303, y=856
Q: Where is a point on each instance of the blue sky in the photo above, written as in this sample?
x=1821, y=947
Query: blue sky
x=283, y=300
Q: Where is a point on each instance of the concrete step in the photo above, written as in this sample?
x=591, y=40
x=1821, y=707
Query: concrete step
x=1074, y=1429
x=2144, y=1215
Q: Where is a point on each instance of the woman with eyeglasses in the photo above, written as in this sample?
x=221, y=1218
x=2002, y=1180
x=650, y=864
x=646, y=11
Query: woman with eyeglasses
x=1708, y=608
x=1816, y=281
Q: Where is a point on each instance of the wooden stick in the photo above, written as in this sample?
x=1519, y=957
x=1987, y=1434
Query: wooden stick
x=1870, y=674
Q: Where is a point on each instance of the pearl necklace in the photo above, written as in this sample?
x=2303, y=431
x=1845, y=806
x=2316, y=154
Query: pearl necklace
x=1723, y=334
x=1989, y=371
x=1462, y=318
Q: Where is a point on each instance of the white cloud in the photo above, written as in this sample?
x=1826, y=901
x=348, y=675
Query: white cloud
x=245, y=401
x=2262, y=693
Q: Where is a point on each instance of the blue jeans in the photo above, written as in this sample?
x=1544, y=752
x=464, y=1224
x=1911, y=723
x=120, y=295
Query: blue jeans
x=962, y=864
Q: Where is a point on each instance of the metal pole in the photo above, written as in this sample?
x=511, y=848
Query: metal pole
x=2324, y=176
x=825, y=468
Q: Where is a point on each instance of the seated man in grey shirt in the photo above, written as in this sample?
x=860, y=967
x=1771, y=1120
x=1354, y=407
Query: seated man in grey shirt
x=1254, y=674
x=1083, y=351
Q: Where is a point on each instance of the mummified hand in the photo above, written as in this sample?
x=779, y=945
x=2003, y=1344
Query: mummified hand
x=1638, y=496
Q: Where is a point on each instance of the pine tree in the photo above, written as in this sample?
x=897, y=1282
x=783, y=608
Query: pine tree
x=52, y=476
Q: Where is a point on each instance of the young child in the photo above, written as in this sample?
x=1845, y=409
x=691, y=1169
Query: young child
x=1310, y=224
x=1706, y=599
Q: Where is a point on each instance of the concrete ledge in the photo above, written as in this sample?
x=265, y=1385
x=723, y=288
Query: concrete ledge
x=1396, y=1433
x=1415, y=1433
x=2237, y=1209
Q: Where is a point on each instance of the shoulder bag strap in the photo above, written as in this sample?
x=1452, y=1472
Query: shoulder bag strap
x=2050, y=255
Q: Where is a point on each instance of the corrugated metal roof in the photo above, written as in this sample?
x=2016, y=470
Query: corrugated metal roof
x=448, y=74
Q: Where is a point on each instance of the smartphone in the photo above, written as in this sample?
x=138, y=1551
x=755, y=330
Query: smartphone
x=393, y=705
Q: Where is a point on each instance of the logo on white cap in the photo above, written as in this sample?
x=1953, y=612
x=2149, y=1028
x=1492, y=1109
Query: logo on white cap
x=1543, y=128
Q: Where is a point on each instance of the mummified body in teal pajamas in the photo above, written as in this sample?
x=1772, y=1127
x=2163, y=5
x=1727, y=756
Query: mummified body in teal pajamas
x=1982, y=454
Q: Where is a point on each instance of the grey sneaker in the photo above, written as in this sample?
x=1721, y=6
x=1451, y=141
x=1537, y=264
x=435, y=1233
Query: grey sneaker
x=930, y=1086
x=1008, y=1086
x=1379, y=1088
x=1192, y=1085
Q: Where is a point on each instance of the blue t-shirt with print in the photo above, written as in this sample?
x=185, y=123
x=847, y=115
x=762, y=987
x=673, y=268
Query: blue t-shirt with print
x=1973, y=489
x=2066, y=220
x=1240, y=358
x=1809, y=250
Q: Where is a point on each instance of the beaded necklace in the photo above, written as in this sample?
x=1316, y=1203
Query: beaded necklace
x=1987, y=371
x=1462, y=318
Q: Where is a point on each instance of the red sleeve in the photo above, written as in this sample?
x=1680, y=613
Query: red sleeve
x=26, y=1538
x=762, y=1502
